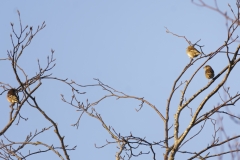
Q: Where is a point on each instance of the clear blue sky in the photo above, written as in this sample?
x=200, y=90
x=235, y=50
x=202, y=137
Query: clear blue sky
x=125, y=45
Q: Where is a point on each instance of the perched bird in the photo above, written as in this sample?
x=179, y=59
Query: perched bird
x=209, y=72
x=12, y=96
x=192, y=52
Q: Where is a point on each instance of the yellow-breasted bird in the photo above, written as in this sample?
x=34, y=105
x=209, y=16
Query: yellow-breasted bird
x=192, y=52
x=12, y=96
x=209, y=72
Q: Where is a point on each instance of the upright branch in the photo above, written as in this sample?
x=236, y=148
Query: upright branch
x=28, y=85
x=196, y=119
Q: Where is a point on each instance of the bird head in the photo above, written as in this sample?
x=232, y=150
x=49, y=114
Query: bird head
x=189, y=48
x=206, y=67
x=12, y=91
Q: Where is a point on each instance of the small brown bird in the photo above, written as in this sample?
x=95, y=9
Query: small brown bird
x=12, y=96
x=192, y=52
x=209, y=72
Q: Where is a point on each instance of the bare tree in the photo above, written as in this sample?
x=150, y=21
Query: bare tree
x=131, y=145
x=27, y=86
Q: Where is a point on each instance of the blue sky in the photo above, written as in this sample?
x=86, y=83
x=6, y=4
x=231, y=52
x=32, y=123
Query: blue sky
x=125, y=45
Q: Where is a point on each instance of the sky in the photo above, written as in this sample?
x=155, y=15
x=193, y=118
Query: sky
x=125, y=45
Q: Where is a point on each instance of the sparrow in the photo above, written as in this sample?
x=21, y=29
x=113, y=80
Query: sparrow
x=12, y=96
x=192, y=52
x=209, y=72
